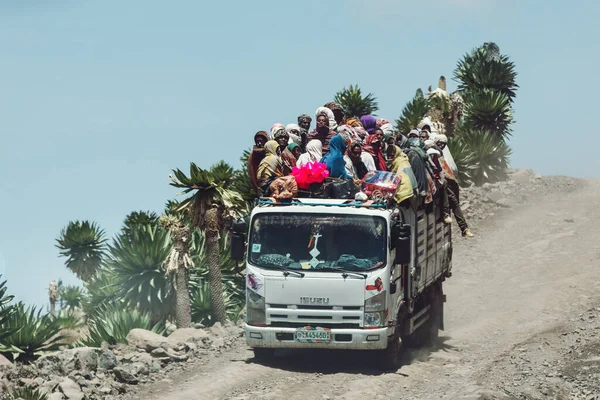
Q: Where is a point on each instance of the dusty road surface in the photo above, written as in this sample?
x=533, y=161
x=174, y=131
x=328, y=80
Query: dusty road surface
x=528, y=274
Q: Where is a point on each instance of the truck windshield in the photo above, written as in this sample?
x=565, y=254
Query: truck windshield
x=318, y=242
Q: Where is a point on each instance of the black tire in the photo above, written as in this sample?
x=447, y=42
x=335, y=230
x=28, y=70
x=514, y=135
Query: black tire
x=391, y=358
x=263, y=354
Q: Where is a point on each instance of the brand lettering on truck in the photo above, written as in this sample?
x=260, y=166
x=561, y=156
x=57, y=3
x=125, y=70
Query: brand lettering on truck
x=314, y=300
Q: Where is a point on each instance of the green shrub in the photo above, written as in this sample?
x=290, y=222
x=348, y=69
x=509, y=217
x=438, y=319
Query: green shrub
x=112, y=323
x=37, y=333
x=26, y=393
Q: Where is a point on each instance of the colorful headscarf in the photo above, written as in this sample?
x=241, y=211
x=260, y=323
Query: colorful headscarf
x=292, y=146
x=380, y=163
x=354, y=122
x=400, y=165
x=369, y=122
x=335, y=158
x=380, y=122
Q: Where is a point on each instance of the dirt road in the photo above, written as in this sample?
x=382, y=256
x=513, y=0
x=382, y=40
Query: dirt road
x=527, y=273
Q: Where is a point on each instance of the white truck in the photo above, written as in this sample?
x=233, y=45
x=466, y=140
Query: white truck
x=342, y=274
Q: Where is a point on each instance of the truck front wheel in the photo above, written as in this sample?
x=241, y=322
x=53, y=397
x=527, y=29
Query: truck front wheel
x=391, y=357
x=263, y=354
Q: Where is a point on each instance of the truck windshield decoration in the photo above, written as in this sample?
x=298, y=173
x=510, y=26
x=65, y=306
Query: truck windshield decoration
x=318, y=242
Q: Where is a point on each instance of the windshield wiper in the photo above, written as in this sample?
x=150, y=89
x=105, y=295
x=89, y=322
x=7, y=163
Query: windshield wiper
x=287, y=272
x=344, y=272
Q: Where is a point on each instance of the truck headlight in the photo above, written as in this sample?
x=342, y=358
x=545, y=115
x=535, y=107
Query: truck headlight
x=375, y=311
x=255, y=306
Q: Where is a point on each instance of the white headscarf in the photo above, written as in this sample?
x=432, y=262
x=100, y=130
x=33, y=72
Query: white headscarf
x=326, y=111
x=446, y=153
x=294, y=138
x=314, y=153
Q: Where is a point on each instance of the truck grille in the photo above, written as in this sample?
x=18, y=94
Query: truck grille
x=295, y=316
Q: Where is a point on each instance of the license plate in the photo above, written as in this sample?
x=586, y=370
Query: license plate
x=313, y=335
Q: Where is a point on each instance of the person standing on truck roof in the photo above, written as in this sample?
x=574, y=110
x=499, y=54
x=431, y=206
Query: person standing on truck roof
x=313, y=153
x=287, y=158
x=358, y=162
x=270, y=167
x=369, y=123
x=338, y=112
x=323, y=132
x=256, y=156
x=294, y=132
x=453, y=188
x=373, y=147
x=295, y=149
x=304, y=121
x=334, y=159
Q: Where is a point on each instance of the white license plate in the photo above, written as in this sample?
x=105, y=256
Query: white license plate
x=313, y=335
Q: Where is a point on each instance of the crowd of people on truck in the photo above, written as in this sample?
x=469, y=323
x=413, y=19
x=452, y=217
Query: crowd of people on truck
x=352, y=147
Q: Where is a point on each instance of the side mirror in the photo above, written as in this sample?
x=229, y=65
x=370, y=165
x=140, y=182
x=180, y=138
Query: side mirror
x=403, y=250
x=238, y=240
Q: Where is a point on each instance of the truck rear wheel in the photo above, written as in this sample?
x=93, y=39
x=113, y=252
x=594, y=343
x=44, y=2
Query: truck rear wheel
x=263, y=354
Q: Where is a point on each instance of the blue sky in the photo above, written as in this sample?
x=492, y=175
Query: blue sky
x=100, y=100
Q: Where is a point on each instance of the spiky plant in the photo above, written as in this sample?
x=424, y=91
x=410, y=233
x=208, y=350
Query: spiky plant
x=136, y=261
x=463, y=158
x=212, y=203
x=486, y=68
x=414, y=111
x=69, y=320
x=71, y=297
x=241, y=183
x=488, y=110
x=6, y=312
x=26, y=393
x=354, y=103
x=112, y=323
x=489, y=155
x=201, y=309
x=137, y=218
x=83, y=243
x=102, y=289
x=177, y=266
x=36, y=332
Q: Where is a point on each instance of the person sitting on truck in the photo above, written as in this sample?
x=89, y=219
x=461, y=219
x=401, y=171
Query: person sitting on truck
x=400, y=166
x=358, y=162
x=287, y=158
x=322, y=131
x=435, y=163
x=334, y=159
x=256, y=156
x=304, y=121
x=373, y=147
x=414, y=133
x=313, y=153
x=270, y=167
x=417, y=159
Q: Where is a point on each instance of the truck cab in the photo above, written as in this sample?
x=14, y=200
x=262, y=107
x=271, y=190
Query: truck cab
x=341, y=274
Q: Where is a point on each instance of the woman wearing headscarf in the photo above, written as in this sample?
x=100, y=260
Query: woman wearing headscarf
x=400, y=166
x=256, y=156
x=355, y=123
x=333, y=125
x=295, y=150
x=358, y=162
x=323, y=131
x=295, y=133
x=270, y=167
x=313, y=153
x=369, y=123
x=388, y=131
x=417, y=159
x=334, y=159
x=288, y=159
x=373, y=147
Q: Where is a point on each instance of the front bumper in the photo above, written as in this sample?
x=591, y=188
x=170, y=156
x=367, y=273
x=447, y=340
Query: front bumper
x=342, y=339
